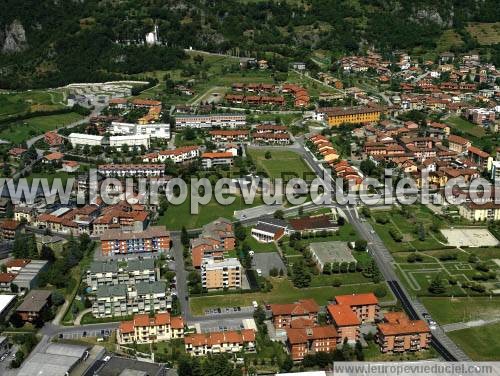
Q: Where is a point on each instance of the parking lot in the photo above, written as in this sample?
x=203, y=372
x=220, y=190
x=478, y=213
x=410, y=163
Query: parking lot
x=225, y=310
x=77, y=334
x=222, y=325
x=266, y=261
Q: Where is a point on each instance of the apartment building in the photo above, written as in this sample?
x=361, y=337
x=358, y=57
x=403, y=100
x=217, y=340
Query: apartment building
x=83, y=139
x=132, y=140
x=365, y=306
x=228, y=135
x=303, y=341
x=179, y=155
x=230, y=342
x=131, y=170
x=337, y=116
x=153, y=130
x=109, y=273
x=153, y=239
x=285, y=314
x=271, y=138
x=458, y=144
x=120, y=300
x=34, y=304
x=146, y=329
x=215, y=159
x=9, y=228
x=210, y=121
x=216, y=239
x=221, y=274
x=399, y=334
x=24, y=214
x=488, y=211
x=26, y=272
x=345, y=322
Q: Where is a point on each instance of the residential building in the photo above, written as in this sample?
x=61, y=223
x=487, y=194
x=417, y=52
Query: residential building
x=110, y=273
x=24, y=214
x=337, y=116
x=216, y=237
x=146, y=329
x=399, y=334
x=6, y=303
x=304, y=341
x=130, y=140
x=120, y=300
x=230, y=342
x=82, y=139
x=9, y=228
x=285, y=314
x=271, y=138
x=488, y=211
x=210, y=121
x=365, y=306
x=153, y=239
x=52, y=139
x=345, y=322
x=70, y=166
x=313, y=224
x=131, y=170
x=228, y=135
x=26, y=272
x=6, y=281
x=179, y=155
x=458, y=144
x=221, y=274
x=215, y=159
x=153, y=130
x=34, y=304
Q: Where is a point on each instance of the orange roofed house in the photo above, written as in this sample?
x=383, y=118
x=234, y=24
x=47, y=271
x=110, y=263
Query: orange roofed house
x=345, y=321
x=365, y=306
x=220, y=342
x=284, y=314
x=217, y=238
x=400, y=334
x=153, y=239
x=146, y=329
x=303, y=341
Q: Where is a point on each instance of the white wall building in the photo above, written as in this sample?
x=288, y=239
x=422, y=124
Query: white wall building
x=82, y=139
x=210, y=121
x=154, y=130
x=130, y=140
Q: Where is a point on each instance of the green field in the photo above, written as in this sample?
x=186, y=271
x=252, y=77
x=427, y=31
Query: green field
x=256, y=246
x=177, y=216
x=283, y=292
x=451, y=310
x=465, y=126
x=282, y=164
x=485, y=33
x=12, y=104
x=480, y=343
x=20, y=131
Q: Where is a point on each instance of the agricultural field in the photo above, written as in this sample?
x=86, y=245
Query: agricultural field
x=19, y=103
x=18, y=132
x=465, y=126
x=447, y=40
x=485, y=33
x=282, y=164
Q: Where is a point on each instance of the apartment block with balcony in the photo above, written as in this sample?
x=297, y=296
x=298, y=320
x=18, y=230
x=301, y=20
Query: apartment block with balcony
x=146, y=329
x=398, y=334
x=220, y=274
x=304, y=341
x=365, y=306
x=345, y=321
x=153, y=239
x=231, y=342
x=285, y=314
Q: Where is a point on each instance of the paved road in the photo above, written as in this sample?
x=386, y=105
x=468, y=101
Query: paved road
x=441, y=342
x=468, y=324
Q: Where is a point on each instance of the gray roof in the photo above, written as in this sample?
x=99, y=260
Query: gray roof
x=142, y=264
x=104, y=266
x=116, y=365
x=274, y=221
x=268, y=228
x=34, y=301
x=157, y=287
x=109, y=291
x=56, y=360
x=334, y=251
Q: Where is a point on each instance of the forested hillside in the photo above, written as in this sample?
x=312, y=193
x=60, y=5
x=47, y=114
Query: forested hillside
x=52, y=42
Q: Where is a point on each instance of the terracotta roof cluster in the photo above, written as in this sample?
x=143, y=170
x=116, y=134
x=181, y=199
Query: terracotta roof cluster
x=354, y=300
x=10, y=224
x=398, y=323
x=216, y=155
x=314, y=222
x=17, y=263
x=300, y=308
x=55, y=156
x=303, y=335
x=219, y=338
x=150, y=233
x=325, y=147
x=301, y=95
x=343, y=315
x=144, y=320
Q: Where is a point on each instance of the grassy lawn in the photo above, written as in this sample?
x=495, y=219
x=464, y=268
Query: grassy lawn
x=177, y=216
x=465, y=126
x=282, y=164
x=13, y=104
x=283, y=292
x=20, y=131
x=480, y=343
x=448, y=310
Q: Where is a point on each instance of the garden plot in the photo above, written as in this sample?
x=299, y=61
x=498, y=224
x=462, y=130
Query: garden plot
x=469, y=237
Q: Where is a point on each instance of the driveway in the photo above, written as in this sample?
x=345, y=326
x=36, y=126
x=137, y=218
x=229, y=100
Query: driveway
x=268, y=261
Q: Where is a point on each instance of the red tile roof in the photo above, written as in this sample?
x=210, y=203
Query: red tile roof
x=343, y=315
x=297, y=336
x=357, y=299
x=398, y=323
x=7, y=277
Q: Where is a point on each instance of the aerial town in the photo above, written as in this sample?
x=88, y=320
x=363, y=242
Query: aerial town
x=102, y=277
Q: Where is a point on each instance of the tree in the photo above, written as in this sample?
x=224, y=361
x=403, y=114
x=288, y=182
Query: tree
x=340, y=220
x=300, y=275
x=259, y=315
x=421, y=232
x=184, y=237
x=14, y=288
x=278, y=214
x=437, y=285
x=46, y=253
x=57, y=298
x=287, y=364
x=268, y=155
x=360, y=245
x=16, y=320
